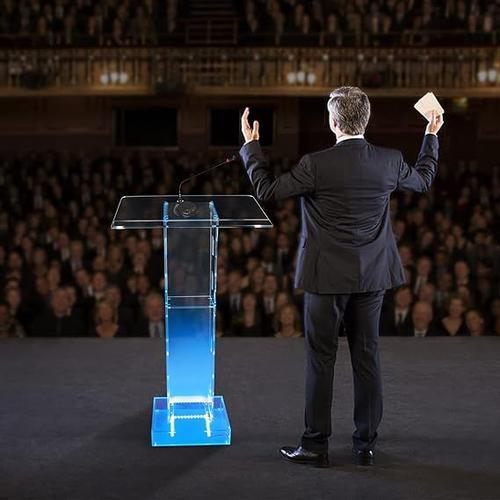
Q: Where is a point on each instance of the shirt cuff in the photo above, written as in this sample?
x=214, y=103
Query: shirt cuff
x=431, y=133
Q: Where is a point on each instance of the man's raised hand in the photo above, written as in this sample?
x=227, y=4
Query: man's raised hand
x=435, y=123
x=250, y=134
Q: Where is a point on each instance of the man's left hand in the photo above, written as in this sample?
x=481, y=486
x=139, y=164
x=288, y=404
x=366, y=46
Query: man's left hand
x=250, y=134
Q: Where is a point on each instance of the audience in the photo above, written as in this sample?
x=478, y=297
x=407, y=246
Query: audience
x=269, y=22
x=89, y=22
x=64, y=272
x=382, y=22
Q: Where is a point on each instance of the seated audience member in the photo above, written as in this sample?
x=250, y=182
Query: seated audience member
x=17, y=306
x=421, y=315
x=474, y=321
x=126, y=313
x=58, y=320
x=288, y=320
x=453, y=323
x=283, y=298
x=9, y=326
x=495, y=313
x=152, y=324
x=423, y=273
x=231, y=303
x=496, y=327
x=268, y=303
x=396, y=317
x=106, y=320
x=248, y=323
x=427, y=293
x=443, y=291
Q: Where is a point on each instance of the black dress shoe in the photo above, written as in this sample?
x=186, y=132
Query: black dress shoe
x=363, y=457
x=300, y=455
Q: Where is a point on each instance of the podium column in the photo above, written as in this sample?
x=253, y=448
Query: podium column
x=190, y=414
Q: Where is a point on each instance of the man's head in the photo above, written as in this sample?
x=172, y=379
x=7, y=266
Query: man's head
x=403, y=297
x=153, y=307
x=59, y=302
x=349, y=109
x=421, y=315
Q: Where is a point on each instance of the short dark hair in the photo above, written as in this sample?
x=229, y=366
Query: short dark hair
x=350, y=108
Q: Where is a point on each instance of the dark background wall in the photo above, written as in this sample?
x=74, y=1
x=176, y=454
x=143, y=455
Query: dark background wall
x=299, y=125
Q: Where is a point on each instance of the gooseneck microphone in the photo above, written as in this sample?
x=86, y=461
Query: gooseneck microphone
x=185, y=208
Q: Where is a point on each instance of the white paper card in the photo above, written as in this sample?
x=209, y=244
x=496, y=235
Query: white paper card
x=426, y=104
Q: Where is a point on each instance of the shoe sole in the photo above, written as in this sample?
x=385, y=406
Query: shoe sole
x=318, y=465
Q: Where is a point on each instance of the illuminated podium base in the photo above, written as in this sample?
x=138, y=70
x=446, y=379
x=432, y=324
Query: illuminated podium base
x=190, y=428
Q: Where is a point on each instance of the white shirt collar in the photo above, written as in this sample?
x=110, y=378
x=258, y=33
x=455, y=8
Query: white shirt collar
x=345, y=137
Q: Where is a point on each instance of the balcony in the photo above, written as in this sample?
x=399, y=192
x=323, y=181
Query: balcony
x=405, y=71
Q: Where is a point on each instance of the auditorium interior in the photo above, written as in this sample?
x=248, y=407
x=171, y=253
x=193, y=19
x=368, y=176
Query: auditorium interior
x=101, y=99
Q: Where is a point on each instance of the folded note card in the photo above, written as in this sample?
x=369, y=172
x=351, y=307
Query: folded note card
x=426, y=104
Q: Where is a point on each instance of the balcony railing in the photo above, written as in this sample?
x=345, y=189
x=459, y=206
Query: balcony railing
x=247, y=70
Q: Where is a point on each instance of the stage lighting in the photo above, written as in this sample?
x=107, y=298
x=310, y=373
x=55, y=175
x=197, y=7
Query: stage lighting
x=311, y=78
x=482, y=76
x=492, y=75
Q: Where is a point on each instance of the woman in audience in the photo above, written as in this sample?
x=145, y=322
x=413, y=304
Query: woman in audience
x=9, y=326
x=474, y=321
x=453, y=323
x=249, y=321
x=106, y=321
x=288, y=322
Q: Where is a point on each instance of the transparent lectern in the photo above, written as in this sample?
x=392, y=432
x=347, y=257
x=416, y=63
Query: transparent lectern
x=190, y=414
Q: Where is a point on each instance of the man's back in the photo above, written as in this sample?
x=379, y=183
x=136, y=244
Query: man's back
x=346, y=244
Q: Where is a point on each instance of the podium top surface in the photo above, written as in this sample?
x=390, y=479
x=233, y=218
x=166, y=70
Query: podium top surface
x=147, y=212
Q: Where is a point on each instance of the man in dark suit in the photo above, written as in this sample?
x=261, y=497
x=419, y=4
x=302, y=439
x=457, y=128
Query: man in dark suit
x=396, y=317
x=422, y=325
x=347, y=258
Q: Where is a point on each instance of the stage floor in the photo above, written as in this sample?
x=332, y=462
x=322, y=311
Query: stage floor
x=75, y=420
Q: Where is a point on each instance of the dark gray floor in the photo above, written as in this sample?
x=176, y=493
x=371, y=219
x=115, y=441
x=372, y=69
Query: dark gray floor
x=75, y=421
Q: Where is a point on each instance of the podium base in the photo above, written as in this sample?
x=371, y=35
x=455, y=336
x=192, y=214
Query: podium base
x=190, y=431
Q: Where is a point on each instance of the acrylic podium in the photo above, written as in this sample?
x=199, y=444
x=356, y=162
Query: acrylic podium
x=190, y=414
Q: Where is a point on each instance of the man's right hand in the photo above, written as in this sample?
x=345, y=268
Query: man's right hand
x=435, y=123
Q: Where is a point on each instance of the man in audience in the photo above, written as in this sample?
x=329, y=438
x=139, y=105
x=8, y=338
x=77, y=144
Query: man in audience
x=396, y=317
x=152, y=324
x=421, y=316
x=268, y=304
x=231, y=304
x=423, y=274
x=58, y=320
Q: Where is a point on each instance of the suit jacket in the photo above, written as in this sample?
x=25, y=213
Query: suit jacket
x=346, y=243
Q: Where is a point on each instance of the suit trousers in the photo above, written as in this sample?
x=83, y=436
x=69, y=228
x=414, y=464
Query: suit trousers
x=324, y=316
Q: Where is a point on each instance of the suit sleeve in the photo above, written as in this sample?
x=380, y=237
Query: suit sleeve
x=419, y=177
x=300, y=180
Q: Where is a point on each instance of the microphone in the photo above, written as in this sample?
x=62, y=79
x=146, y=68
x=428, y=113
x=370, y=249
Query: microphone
x=184, y=208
